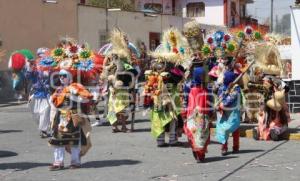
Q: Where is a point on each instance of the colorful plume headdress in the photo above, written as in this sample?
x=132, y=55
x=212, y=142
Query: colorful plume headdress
x=174, y=48
x=75, y=58
x=119, y=43
x=249, y=33
x=219, y=45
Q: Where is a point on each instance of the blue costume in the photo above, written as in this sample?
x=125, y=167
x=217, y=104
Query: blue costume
x=229, y=121
x=38, y=102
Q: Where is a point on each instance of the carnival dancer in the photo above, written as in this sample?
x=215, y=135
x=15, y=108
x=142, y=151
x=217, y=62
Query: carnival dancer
x=67, y=132
x=164, y=83
x=39, y=94
x=273, y=117
x=163, y=113
x=69, y=122
x=197, y=126
x=229, y=121
x=121, y=74
x=17, y=63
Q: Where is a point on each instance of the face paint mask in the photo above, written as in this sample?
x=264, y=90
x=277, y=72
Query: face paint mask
x=64, y=79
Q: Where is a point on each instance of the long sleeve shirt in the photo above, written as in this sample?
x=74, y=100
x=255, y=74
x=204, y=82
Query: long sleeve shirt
x=40, y=84
x=230, y=99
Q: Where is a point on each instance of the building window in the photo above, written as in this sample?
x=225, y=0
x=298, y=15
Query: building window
x=154, y=6
x=195, y=9
x=103, y=39
x=154, y=40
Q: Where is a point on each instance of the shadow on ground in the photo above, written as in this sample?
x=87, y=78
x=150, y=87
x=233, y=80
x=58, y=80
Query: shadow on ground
x=20, y=166
x=142, y=121
x=220, y=158
x=109, y=163
x=214, y=142
x=249, y=151
x=11, y=102
x=4, y=153
x=10, y=131
x=142, y=130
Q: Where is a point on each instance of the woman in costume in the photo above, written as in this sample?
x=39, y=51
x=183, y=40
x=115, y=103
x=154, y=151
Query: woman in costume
x=197, y=126
x=229, y=121
x=273, y=117
x=39, y=94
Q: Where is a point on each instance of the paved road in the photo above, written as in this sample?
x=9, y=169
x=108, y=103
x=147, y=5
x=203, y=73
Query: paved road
x=134, y=156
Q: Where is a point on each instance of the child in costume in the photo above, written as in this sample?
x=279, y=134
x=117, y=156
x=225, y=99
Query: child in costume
x=71, y=100
x=67, y=131
x=229, y=121
x=39, y=95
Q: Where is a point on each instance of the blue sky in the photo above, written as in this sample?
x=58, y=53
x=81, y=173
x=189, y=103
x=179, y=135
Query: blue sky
x=261, y=9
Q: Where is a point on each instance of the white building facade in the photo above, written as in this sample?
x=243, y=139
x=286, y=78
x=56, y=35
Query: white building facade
x=138, y=26
x=211, y=12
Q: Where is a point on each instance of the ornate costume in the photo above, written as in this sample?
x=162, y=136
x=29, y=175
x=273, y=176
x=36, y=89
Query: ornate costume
x=71, y=100
x=163, y=84
x=229, y=120
x=197, y=125
x=121, y=56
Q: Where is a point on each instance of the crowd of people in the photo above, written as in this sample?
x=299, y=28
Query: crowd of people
x=195, y=81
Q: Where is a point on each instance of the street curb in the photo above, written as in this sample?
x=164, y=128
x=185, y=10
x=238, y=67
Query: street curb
x=247, y=133
x=290, y=136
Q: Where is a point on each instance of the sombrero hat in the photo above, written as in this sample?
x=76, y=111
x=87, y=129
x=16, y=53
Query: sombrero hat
x=274, y=104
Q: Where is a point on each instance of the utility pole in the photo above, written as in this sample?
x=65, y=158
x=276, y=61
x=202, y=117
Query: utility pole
x=106, y=19
x=272, y=8
x=161, y=16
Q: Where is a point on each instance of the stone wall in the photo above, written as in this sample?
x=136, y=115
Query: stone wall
x=293, y=99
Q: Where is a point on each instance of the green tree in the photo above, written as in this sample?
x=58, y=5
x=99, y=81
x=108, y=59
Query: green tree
x=127, y=5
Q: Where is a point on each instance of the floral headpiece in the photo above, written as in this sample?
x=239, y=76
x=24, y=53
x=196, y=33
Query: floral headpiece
x=72, y=57
x=219, y=45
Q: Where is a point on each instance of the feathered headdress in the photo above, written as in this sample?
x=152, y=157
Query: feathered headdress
x=119, y=44
x=194, y=36
x=174, y=48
